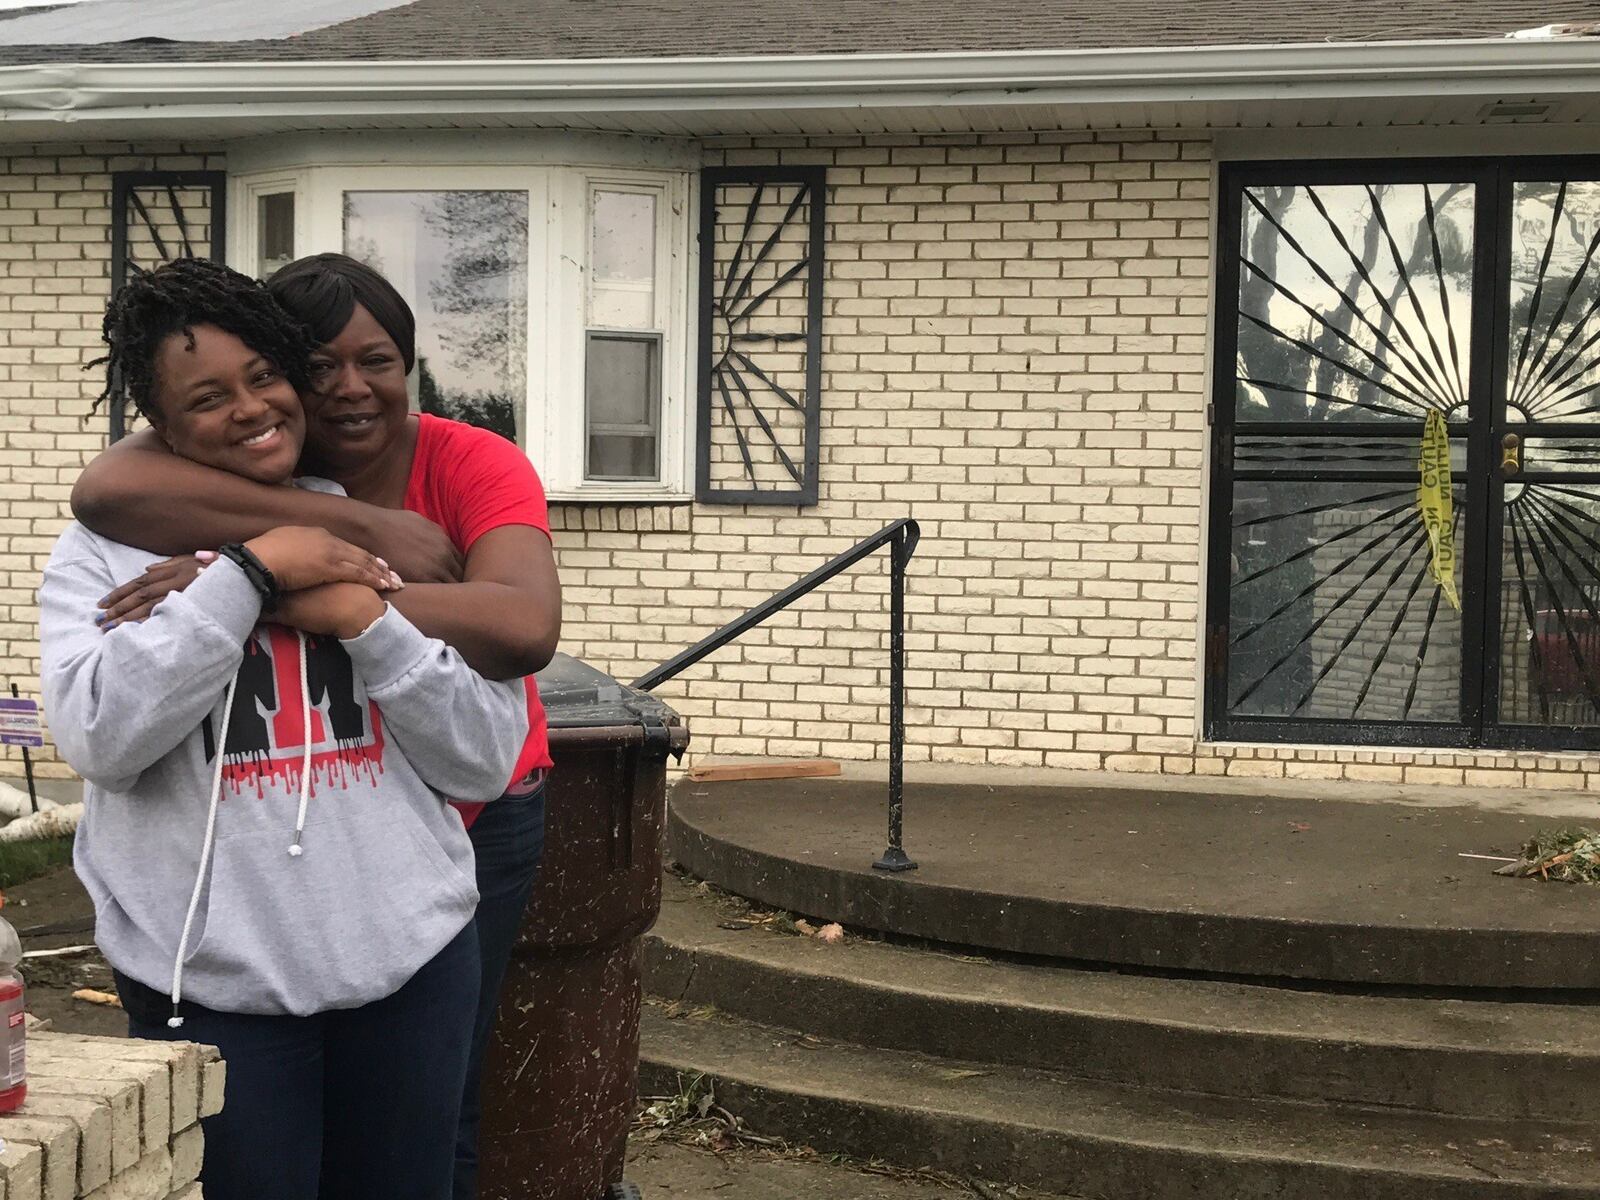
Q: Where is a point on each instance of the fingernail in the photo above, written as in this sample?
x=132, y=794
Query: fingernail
x=382, y=564
x=395, y=581
x=205, y=556
x=100, y=618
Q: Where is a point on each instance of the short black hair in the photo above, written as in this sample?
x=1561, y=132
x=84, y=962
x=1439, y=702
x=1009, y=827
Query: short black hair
x=322, y=291
x=154, y=305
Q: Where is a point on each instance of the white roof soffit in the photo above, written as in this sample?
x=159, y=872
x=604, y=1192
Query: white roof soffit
x=161, y=92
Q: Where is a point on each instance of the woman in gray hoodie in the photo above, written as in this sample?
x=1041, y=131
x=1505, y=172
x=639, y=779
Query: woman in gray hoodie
x=268, y=759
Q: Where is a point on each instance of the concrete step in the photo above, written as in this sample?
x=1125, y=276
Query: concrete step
x=1485, y=1059
x=1102, y=1140
x=1241, y=885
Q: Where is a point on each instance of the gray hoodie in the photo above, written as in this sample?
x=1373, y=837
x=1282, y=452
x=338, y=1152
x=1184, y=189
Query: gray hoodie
x=269, y=922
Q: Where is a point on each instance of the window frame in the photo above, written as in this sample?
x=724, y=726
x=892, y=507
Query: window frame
x=554, y=433
x=244, y=214
x=649, y=337
x=567, y=320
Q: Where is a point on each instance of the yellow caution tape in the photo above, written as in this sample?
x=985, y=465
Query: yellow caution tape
x=1436, y=504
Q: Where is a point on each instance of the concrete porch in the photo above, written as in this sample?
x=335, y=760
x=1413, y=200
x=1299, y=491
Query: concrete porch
x=1129, y=993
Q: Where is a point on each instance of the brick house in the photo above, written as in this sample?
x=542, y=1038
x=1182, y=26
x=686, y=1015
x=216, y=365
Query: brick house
x=1146, y=312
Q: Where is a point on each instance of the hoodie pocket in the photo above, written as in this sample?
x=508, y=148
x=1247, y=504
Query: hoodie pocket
x=372, y=898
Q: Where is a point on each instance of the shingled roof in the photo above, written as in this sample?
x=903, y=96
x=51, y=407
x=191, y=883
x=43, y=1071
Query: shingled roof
x=590, y=29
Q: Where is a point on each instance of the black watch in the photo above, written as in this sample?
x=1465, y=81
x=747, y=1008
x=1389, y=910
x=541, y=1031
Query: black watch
x=255, y=571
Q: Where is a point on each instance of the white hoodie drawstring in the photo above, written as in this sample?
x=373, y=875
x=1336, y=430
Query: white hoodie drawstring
x=305, y=763
x=175, y=1021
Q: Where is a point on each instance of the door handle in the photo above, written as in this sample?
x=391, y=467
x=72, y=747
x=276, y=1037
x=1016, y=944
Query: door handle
x=1510, y=455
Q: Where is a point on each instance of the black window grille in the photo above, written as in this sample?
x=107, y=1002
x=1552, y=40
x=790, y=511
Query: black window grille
x=762, y=232
x=157, y=216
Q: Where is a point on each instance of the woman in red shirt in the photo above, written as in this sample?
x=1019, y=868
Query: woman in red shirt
x=437, y=499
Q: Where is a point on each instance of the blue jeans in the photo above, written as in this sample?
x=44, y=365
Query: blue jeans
x=343, y=1105
x=508, y=840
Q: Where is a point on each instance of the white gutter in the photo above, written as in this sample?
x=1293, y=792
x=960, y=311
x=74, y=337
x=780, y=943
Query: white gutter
x=146, y=91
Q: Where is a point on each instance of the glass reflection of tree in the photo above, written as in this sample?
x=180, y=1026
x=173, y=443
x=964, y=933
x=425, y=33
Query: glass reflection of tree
x=356, y=245
x=1359, y=348
x=1374, y=339
x=479, y=295
x=1555, y=336
x=1550, y=623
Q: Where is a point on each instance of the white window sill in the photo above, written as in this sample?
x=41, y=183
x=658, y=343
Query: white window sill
x=618, y=495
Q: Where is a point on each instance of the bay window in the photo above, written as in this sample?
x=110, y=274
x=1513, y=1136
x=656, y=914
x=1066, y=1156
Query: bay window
x=551, y=299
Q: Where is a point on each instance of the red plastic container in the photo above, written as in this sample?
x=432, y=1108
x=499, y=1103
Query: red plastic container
x=13, y=1023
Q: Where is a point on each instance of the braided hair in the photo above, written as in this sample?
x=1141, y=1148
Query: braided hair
x=154, y=305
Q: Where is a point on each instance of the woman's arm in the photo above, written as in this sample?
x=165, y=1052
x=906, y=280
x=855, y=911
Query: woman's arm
x=141, y=494
x=119, y=702
x=460, y=732
x=505, y=618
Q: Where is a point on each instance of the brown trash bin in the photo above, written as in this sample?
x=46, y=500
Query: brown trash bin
x=560, y=1076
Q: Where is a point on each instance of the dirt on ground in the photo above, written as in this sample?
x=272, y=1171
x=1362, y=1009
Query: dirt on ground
x=53, y=913
x=674, y=1172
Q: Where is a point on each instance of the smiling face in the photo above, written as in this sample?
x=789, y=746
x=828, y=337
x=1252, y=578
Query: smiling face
x=357, y=406
x=225, y=405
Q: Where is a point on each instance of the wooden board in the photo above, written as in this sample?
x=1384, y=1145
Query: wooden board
x=777, y=768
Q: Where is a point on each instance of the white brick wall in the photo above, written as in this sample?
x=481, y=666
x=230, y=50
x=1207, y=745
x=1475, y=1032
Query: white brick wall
x=1013, y=353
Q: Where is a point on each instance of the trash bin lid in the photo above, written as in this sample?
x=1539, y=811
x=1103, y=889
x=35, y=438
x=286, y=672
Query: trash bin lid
x=578, y=696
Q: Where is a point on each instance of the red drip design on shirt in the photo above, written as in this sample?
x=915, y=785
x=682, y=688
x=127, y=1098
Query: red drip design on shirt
x=267, y=728
x=346, y=762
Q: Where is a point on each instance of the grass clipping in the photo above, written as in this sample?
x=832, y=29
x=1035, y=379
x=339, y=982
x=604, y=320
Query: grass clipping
x=1567, y=855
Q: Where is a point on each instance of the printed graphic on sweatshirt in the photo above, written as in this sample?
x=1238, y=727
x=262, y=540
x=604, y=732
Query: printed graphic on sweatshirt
x=266, y=730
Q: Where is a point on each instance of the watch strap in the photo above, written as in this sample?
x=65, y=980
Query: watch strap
x=255, y=571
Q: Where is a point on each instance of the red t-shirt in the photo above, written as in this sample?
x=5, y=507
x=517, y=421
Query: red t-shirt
x=468, y=481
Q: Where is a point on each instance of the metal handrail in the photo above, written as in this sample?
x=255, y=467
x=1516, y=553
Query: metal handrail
x=901, y=538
